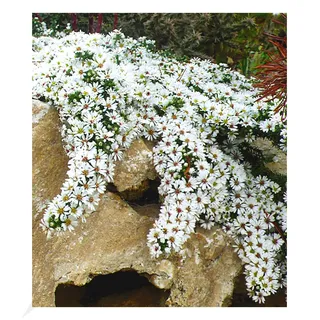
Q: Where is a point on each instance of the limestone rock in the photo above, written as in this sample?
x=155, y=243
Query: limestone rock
x=49, y=167
x=49, y=160
x=39, y=109
x=205, y=277
x=114, y=239
x=150, y=210
x=163, y=279
x=269, y=150
x=133, y=172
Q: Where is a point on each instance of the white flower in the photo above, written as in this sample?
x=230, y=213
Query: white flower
x=92, y=201
x=69, y=223
x=259, y=297
x=108, y=101
x=190, y=223
x=150, y=133
x=236, y=184
x=98, y=183
x=117, y=152
x=155, y=250
x=175, y=162
x=76, y=210
x=277, y=241
x=174, y=241
x=80, y=195
x=267, y=125
x=191, y=184
x=262, y=182
x=241, y=224
x=154, y=235
x=205, y=180
x=201, y=199
x=207, y=223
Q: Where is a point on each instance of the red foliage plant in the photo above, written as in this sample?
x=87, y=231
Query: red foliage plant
x=115, y=21
x=91, y=19
x=272, y=75
x=95, y=28
x=100, y=20
x=74, y=20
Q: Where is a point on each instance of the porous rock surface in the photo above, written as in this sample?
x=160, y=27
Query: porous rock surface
x=114, y=239
x=133, y=172
x=269, y=150
x=39, y=109
x=205, y=277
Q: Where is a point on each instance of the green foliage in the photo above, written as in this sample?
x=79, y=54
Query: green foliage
x=76, y=96
x=254, y=44
x=176, y=102
x=237, y=39
x=85, y=55
x=248, y=64
x=36, y=27
x=53, y=21
x=206, y=35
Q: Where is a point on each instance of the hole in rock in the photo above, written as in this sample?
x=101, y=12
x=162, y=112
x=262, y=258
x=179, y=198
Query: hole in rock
x=148, y=204
x=112, y=188
x=240, y=296
x=120, y=289
x=151, y=195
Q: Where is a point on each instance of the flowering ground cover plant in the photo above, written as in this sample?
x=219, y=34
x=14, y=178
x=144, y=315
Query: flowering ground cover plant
x=110, y=90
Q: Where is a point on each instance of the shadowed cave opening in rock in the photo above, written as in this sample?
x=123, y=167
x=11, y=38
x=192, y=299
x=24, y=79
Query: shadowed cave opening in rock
x=150, y=196
x=120, y=289
x=148, y=204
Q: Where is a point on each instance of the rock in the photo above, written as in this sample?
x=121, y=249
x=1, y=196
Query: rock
x=206, y=276
x=164, y=277
x=49, y=167
x=50, y=162
x=114, y=239
x=150, y=210
x=269, y=150
x=133, y=172
x=39, y=109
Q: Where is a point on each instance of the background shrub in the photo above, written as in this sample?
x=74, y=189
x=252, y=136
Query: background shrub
x=235, y=38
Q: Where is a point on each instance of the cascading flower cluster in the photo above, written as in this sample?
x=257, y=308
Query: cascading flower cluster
x=110, y=90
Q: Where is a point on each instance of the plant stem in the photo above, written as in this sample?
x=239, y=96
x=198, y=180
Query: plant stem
x=277, y=228
x=115, y=21
x=38, y=16
x=90, y=23
x=74, y=22
x=100, y=20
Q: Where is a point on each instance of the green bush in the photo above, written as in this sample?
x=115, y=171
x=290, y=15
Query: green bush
x=237, y=39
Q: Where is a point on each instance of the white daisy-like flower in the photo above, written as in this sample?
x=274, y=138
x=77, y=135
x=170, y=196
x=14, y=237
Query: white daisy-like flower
x=175, y=162
x=155, y=250
x=69, y=223
x=116, y=91
x=259, y=296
